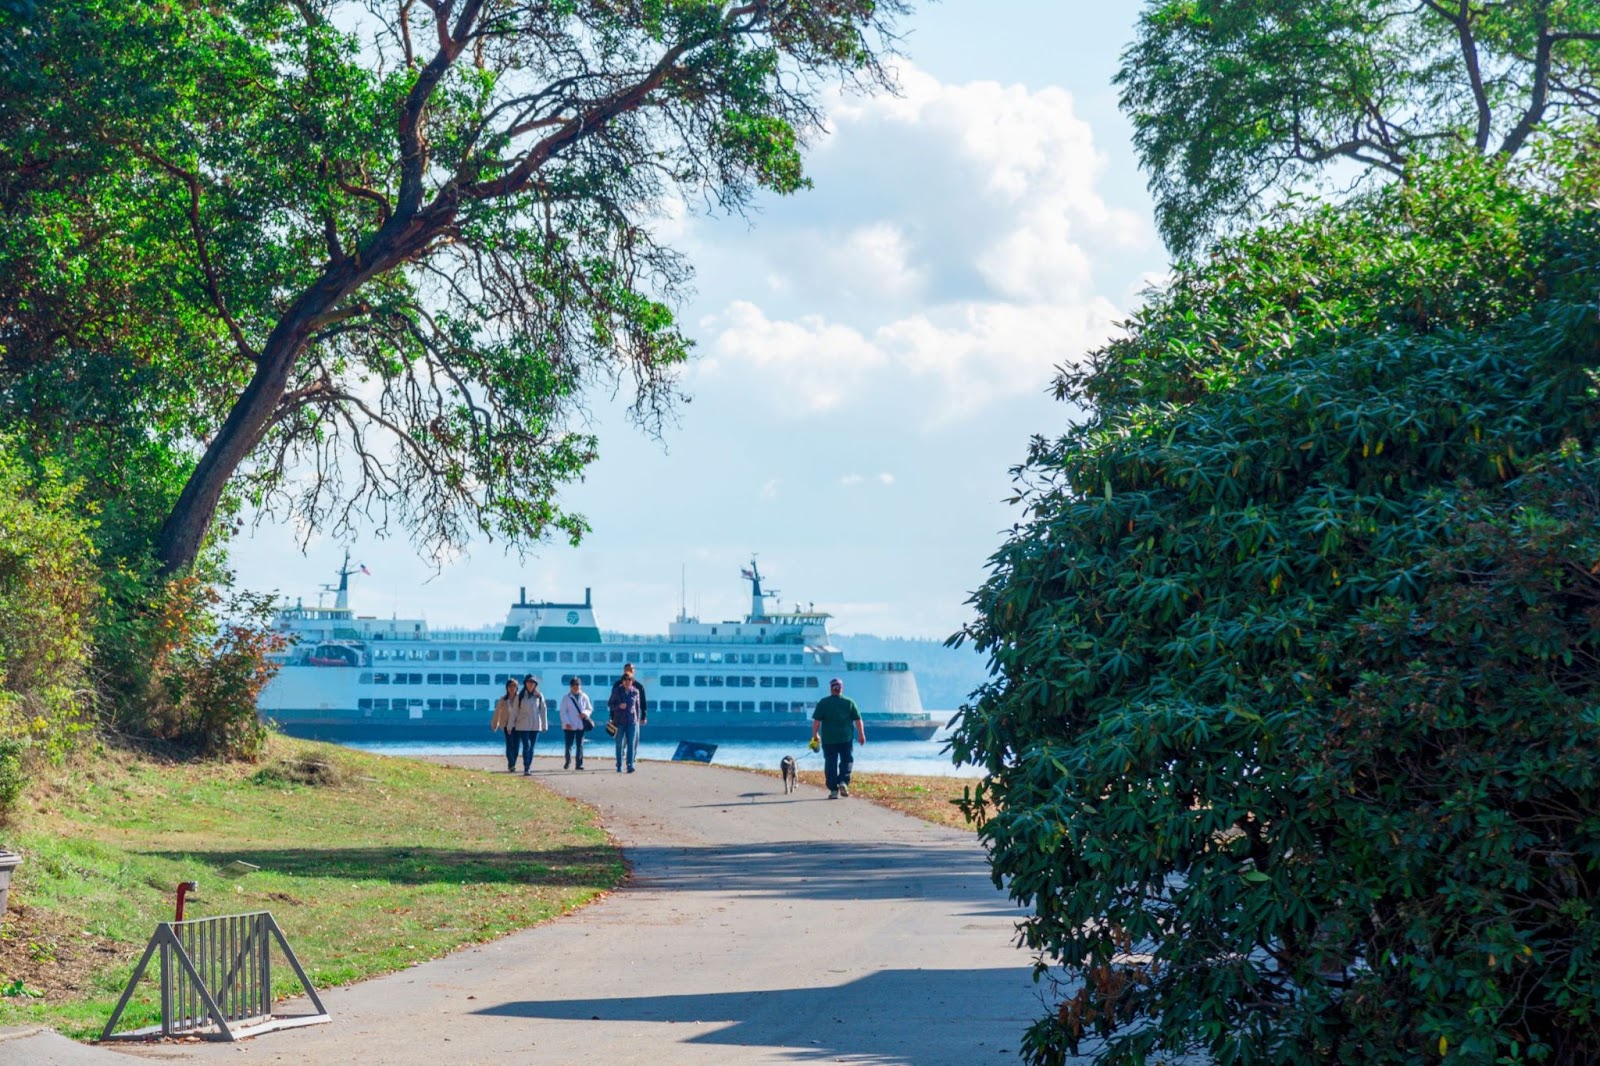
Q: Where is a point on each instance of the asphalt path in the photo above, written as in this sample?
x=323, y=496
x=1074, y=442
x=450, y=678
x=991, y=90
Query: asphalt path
x=755, y=927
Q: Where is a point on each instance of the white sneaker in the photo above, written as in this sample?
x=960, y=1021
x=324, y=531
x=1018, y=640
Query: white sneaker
x=834, y=794
x=844, y=790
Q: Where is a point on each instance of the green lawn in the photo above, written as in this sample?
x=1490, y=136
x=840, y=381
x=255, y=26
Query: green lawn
x=368, y=864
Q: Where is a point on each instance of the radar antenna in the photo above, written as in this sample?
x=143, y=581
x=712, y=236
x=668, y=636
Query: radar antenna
x=758, y=598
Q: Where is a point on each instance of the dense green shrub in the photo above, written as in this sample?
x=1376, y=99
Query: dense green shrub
x=184, y=666
x=47, y=598
x=1295, y=730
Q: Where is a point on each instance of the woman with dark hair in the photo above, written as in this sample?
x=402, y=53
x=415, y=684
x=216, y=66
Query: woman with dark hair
x=505, y=713
x=531, y=720
x=576, y=719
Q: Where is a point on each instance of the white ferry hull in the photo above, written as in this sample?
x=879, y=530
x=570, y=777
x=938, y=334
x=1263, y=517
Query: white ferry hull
x=351, y=677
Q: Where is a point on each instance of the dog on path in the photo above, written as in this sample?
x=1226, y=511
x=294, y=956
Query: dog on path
x=791, y=774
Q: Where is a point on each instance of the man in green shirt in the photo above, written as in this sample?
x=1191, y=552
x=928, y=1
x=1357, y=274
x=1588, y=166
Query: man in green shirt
x=832, y=722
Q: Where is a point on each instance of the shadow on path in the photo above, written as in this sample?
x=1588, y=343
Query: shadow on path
x=811, y=1022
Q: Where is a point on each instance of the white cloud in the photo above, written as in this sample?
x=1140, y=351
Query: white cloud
x=851, y=479
x=952, y=247
x=886, y=479
x=808, y=360
x=769, y=491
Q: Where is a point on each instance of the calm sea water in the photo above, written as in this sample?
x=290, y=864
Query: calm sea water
x=928, y=757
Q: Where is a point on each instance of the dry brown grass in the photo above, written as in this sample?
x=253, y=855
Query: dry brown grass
x=932, y=799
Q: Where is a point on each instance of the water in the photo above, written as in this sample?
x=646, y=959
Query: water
x=925, y=757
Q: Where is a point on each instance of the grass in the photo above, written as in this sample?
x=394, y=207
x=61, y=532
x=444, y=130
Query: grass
x=369, y=865
x=932, y=799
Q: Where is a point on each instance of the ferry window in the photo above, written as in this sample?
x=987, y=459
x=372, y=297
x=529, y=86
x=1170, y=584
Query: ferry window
x=516, y=656
x=699, y=706
x=433, y=705
x=716, y=705
x=483, y=705
x=549, y=656
x=433, y=655
x=698, y=657
x=716, y=657
x=566, y=656
x=583, y=656
x=616, y=656
x=667, y=682
x=365, y=705
x=811, y=682
x=766, y=682
x=483, y=656
x=649, y=656
x=747, y=659
x=484, y=679
x=699, y=681
x=433, y=679
x=766, y=705
x=781, y=682
x=747, y=682
x=365, y=678
x=764, y=658
x=713, y=630
x=796, y=659
x=416, y=679
x=715, y=681
x=499, y=656
x=682, y=657
x=448, y=703
x=450, y=655
x=380, y=705
x=683, y=681
x=380, y=679
x=447, y=679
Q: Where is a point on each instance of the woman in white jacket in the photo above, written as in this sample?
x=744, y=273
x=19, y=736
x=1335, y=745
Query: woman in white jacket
x=577, y=716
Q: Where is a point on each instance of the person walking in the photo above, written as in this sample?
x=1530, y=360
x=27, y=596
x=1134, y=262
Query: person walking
x=832, y=722
x=577, y=718
x=627, y=712
x=505, y=712
x=531, y=719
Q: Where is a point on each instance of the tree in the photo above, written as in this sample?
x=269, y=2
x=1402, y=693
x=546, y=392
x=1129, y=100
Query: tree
x=400, y=240
x=1236, y=100
x=1293, y=740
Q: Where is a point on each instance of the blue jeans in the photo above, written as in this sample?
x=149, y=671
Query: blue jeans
x=571, y=738
x=627, y=742
x=836, y=762
x=520, y=740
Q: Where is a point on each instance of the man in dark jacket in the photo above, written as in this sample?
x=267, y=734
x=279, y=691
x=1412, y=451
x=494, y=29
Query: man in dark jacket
x=627, y=714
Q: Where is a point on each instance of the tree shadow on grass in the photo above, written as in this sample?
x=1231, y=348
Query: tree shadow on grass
x=586, y=866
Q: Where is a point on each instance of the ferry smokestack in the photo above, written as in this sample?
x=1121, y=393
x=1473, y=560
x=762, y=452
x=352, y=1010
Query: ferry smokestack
x=522, y=594
x=586, y=602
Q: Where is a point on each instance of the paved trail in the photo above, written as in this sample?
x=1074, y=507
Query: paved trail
x=756, y=928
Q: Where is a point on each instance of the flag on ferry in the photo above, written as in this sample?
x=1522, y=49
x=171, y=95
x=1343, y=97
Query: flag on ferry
x=363, y=568
x=747, y=575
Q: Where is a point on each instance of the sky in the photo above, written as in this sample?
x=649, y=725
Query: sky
x=872, y=356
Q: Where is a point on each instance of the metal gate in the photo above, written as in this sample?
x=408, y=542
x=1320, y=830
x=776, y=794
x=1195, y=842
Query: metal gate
x=217, y=972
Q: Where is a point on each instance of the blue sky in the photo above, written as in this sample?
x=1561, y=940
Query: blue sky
x=872, y=355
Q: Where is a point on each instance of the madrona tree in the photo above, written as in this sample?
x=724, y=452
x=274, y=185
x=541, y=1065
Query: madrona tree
x=1235, y=102
x=1294, y=741
x=352, y=257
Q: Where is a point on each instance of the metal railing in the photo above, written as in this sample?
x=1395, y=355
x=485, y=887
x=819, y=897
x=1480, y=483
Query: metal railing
x=217, y=972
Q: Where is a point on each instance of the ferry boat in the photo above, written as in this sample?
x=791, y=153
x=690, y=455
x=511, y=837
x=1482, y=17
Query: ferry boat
x=345, y=676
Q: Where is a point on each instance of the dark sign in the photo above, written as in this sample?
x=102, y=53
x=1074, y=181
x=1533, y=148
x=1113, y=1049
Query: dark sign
x=691, y=751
